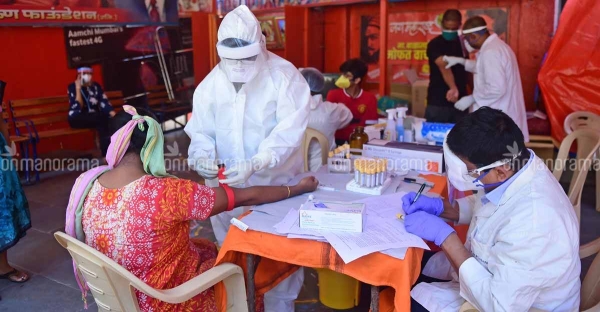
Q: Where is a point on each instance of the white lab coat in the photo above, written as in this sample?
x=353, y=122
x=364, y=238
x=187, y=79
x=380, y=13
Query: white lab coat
x=325, y=117
x=525, y=252
x=497, y=81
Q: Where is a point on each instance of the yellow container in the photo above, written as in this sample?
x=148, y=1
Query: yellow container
x=338, y=291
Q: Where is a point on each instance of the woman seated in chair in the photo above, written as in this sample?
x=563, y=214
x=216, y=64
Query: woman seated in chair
x=135, y=213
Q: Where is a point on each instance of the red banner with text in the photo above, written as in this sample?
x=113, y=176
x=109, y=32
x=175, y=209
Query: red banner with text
x=408, y=36
x=87, y=12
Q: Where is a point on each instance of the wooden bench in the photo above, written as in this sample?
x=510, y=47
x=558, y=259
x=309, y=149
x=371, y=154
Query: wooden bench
x=47, y=117
x=164, y=108
x=51, y=114
x=116, y=99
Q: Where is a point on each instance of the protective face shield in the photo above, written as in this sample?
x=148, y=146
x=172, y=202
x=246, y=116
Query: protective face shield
x=85, y=74
x=468, y=180
x=240, y=71
x=343, y=82
x=240, y=42
x=469, y=48
x=449, y=34
x=468, y=45
x=86, y=78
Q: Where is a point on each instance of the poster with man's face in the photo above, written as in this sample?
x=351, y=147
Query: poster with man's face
x=369, y=47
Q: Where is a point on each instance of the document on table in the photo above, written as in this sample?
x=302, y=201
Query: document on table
x=262, y=222
x=379, y=234
x=384, y=206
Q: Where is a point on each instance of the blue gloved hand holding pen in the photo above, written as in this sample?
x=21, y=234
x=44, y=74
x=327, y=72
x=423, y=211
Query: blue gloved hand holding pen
x=427, y=227
x=433, y=206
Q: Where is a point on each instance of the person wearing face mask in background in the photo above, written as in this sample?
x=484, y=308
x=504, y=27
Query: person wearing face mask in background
x=325, y=117
x=522, y=247
x=361, y=103
x=89, y=107
x=250, y=113
x=446, y=85
x=497, y=81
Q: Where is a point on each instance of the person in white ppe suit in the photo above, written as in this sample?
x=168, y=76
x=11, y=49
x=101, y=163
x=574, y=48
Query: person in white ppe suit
x=522, y=247
x=325, y=117
x=497, y=81
x=250, y=113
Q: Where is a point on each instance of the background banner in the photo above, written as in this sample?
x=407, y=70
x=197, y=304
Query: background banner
x=408, y=35
x=88, y=12
x=90, y=45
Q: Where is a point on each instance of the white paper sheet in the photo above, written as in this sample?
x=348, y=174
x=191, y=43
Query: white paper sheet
x=384, y=206
x=379, y=234
x=309, y=237
x=398, y=253
x=262, y=222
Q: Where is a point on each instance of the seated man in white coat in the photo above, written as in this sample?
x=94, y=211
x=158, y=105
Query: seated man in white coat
x=522, y=248
x=325, y=117
x=496, y=77
x=250, y=113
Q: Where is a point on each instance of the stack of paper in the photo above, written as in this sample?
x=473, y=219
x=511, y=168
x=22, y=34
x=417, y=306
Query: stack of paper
x=383, y=232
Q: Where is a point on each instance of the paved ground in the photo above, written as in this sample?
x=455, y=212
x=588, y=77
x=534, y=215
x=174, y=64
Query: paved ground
x=53, y=288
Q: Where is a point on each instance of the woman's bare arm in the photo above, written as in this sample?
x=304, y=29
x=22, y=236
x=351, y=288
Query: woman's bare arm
x=257, y=195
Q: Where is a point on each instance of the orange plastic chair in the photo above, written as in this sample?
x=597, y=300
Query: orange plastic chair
x=113, y=287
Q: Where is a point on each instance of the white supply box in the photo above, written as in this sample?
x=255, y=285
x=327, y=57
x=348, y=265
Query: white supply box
x=332, y=216
x=406, y=156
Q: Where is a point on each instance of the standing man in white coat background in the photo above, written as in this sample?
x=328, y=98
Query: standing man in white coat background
x=522, y=247
x=325, y=117
x=497, y=81
x=250, y=113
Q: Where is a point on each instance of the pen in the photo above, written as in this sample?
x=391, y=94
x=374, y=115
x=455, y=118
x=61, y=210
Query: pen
x=418, y=193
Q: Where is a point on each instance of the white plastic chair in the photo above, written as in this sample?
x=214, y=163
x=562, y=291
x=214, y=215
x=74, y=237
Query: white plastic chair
x=113, y=287
x=578, y=120
x=309, y=135
x=589, y=120
x=588, y=142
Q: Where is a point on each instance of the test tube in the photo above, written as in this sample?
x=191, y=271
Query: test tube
x=378, y=174
x=356, y=173
x=373, y=178
x=365, y=174
x=381, y=171
x=361, y=173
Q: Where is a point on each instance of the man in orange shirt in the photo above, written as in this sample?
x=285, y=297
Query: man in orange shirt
x=361, y=103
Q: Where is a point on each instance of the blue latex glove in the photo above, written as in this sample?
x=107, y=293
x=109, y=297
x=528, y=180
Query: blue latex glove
x=428, y=227
x=433, y=206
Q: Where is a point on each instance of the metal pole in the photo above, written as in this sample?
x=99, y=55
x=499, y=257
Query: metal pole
x=250, y=281
x=163, y=63
x=374, y=298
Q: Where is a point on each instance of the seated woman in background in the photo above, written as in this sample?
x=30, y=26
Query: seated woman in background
x=135, y=213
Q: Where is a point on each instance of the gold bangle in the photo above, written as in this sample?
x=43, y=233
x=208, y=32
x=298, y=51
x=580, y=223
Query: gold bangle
x=289, y=192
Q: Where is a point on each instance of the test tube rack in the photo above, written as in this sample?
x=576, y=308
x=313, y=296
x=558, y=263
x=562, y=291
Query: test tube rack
x=341, y=159
x=370, y=176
